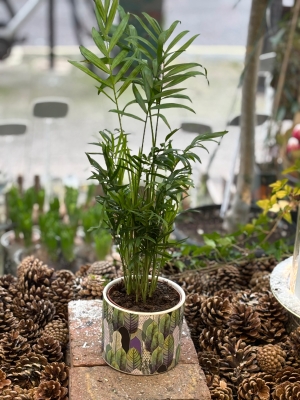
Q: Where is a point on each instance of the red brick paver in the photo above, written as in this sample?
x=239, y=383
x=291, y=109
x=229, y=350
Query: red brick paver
x=92, y=379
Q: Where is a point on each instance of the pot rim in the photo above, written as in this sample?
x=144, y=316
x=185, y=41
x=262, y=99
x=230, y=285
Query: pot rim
x=174, y=285
x=4, y=238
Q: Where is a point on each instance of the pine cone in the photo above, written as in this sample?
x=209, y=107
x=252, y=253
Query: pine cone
x=192, y=314
x=289, y=374
x=270, y=358
x=260, y=281
x=36, y=293
x=225, y=277
x=268, y=378
x=269, y=308
x=66, y=275
x=58, y=329
x=7, y=320
x=56, y=372
x=30, y=330
x=215, y=311
x=238, y=360
x=83, y=270
x=48, y=347
x=63, y=291
x=12, y=347
x=222, y=392
x=92, y=287
x=170, y=268
x=253, y=388
x=108, y=270
x=190, y=281
x=5, y=299
x=209, y=362
x=4, y=382
x=212, y=381
x=248, y=268
x=287, y=391
x=17, y=393
x=250, y=299
x=295, y=337
x=244, y=323
x=6, y=281
x=41, y=312
x=291, y=345
x=226, y=294
x=26, y=373
x=33, y=273
x=19, y=377
x=50, y=390
x=211, y=339
x=271, y=333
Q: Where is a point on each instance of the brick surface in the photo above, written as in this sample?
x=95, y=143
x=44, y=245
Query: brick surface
x=85, y=326
x=104, y=383
x=92, y=379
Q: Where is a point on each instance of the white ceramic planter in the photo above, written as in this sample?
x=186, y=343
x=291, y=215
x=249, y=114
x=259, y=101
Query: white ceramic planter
x=141, y=343
x=280, y=286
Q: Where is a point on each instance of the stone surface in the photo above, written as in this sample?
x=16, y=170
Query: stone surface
x=91, y=378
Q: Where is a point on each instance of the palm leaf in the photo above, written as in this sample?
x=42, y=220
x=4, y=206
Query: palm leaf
x=112, y=13
x=119, y=58
x=176, y=40
x=171, y=105
x=90, y=73
x=154, y=24
x=139, y=99
x=150, y=33
x=124, y=114
x=93, y=59
x=181, y=49
x=100, y=9
x=118, y=33
x=99, y=42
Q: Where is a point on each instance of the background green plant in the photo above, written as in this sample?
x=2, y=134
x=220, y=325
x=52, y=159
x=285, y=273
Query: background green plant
x=143, y=191
x=254, y=238
x=20, y=211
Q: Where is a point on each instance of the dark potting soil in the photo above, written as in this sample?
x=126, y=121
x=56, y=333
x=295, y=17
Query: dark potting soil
x=164, y=298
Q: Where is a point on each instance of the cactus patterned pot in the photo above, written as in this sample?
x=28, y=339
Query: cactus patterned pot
x=142, y=343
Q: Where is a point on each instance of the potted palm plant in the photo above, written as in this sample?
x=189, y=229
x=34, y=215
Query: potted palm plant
x=142, y=191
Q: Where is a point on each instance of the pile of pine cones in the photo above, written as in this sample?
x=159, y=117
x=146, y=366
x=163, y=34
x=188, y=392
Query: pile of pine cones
x=238, y=328
x=34, y=334
x=239, y=331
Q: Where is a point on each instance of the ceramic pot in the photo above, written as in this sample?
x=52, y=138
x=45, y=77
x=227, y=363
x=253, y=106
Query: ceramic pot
x=279, y=282
x=141, y=343
x=12, y=247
